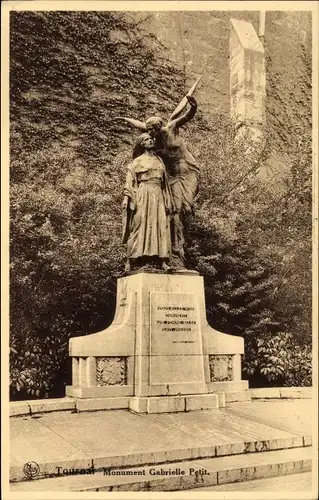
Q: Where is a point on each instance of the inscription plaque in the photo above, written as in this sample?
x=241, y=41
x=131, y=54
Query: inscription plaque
x=175, y=325
x=175, y=339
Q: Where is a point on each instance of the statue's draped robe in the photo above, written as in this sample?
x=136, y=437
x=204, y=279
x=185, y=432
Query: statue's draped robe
x=146, y=223
x=183, y=178
x=182, y=170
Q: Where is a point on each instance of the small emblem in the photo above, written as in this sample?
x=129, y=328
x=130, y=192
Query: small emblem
x=31, y=470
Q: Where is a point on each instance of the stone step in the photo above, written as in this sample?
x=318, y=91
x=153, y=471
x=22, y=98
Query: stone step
x=178, y=476
x=293, y=482
x=162, y=404
x=123, y=439
x=50, y=468
x=232, y=397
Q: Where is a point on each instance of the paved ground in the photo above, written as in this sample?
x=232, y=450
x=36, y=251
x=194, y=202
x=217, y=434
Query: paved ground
x=66, y=436
x=296, y=483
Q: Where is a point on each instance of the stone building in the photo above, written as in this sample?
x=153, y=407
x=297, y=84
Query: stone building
x=198, y=42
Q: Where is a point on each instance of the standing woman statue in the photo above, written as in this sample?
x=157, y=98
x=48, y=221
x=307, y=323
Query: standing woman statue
x=182, y=170
x=147, y=208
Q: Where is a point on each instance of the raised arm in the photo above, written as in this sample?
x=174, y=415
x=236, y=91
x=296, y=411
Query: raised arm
x=185, y=117
x=136, y=123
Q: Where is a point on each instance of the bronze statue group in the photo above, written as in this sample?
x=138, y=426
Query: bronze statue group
x=161, y=185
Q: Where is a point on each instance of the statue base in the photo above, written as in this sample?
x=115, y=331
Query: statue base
x=159, y=354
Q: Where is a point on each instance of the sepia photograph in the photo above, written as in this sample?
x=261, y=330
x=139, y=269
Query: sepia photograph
x=159, y=249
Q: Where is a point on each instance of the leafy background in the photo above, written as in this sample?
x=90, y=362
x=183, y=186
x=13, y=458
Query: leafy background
x=70, y=74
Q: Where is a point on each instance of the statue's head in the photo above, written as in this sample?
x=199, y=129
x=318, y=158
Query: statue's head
x=143, y=142
x=154, y=124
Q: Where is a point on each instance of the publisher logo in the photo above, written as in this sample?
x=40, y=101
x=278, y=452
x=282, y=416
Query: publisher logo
x=31, y=470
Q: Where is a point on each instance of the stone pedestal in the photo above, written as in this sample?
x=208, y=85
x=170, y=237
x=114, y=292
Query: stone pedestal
x=159, y=354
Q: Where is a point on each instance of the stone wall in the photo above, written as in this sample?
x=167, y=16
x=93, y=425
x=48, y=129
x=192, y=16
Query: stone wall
x=199, y=43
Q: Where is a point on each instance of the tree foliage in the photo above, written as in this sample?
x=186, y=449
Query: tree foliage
x=253, y=245
x=71, y=74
